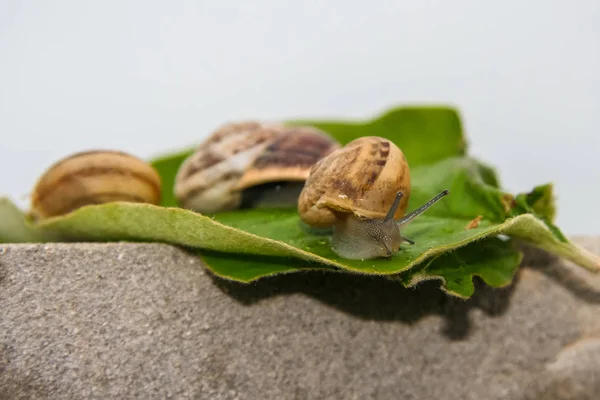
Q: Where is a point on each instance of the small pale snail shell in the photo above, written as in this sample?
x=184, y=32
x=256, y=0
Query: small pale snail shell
x=93, y=177
x=362, y=192
x=250, y=164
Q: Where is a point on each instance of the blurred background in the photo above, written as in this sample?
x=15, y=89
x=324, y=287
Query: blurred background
x=149, y=77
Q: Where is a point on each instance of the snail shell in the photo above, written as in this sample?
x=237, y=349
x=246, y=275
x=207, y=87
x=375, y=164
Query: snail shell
x=361, y=191
x=94, y=177
x=361, y=178
x=250, y=164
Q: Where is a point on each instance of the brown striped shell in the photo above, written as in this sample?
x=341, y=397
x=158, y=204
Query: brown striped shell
x=361, y=178
x=94, y=177
x=289, y=157
x=235, y=165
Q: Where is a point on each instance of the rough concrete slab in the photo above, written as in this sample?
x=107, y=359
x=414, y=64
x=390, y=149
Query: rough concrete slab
x=147, y=321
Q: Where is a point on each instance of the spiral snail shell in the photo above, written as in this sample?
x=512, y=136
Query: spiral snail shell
x=93, y=177
x=361, y=190
x=250, y=164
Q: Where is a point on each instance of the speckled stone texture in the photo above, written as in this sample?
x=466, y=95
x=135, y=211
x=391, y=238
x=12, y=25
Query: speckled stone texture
x=147, y=321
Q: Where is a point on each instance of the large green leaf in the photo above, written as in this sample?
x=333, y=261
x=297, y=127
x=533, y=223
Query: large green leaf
x=492, y=259
x=454, y=241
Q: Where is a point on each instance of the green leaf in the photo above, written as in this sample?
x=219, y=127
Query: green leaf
x=492, y=259
x=279, y=232
x=434, y=235
x=455, y=240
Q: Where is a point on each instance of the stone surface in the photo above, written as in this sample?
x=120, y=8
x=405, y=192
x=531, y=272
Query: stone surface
x=147, y=321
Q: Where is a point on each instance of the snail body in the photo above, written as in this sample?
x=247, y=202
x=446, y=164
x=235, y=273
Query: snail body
x=250, y=164
x=93, y=177
x=361, y=191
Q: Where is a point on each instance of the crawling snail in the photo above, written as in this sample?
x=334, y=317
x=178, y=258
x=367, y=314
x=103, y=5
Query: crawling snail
x=93, y=177
x=250, y=164
x=361, y=191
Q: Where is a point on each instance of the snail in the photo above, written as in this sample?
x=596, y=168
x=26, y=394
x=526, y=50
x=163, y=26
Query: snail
x=361, y=191
x=250, y=164
x=93, y=177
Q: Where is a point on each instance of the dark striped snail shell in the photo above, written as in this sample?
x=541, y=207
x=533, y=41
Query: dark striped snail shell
x=250, y=164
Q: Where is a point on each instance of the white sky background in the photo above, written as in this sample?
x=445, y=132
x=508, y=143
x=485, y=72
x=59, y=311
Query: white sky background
x=148, y=76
